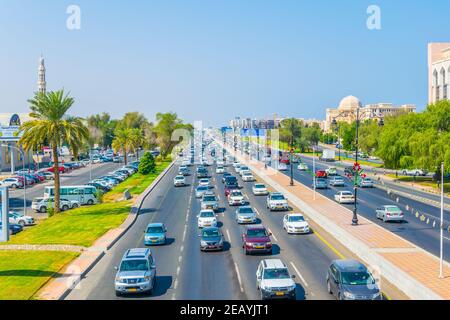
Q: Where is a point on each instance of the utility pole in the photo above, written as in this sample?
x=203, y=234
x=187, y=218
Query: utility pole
x=441, y=260
x=355, y=209
x=292, y=152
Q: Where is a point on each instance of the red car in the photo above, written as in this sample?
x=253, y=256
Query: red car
x=61, y=169
x=256, y=238
x=321, y=174
x=38, y=176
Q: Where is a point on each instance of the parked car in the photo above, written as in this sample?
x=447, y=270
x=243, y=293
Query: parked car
x=414, y=172
x=390, y=213
x=277, y=201
x=155, y=234
x=42, y=204
x=12, y=183
x=259, y=189
x=13, y=228
x=211, y=238
x=256, y=239
x=344, y=197
x=61, y=169
x=245, y=214
x=19, y=218
x=136, y=272
x=295, y=223
x=350, y=280
x=48, y=175
x=274, y=281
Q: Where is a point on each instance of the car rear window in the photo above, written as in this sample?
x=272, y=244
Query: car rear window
x=255, y=233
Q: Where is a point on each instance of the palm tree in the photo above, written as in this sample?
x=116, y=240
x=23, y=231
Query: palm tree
x=52, y=124
x=123, y=141
x=137, y=140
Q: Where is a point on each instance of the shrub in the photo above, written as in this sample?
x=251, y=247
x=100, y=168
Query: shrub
x=147, y=164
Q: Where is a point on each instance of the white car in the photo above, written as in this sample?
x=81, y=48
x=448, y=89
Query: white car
x=273, y=280
x=18, y=218
x=282, y=166
x=247, y=176
x=12, y=183
x=331, y=171
x=302, y=167
x=414, y=172
x=277, y=201
x=220, y=163
x=344, y=197
x=295, y=223
x=179, y=181
x=41, y=204
x=220, y=170
x=204, y=182
x=206, y=218
x=260, y=189
x=243, y=169
x=186, y=163
x=236, y=198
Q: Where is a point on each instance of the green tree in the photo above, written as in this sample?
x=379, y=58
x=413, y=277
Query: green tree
x=50, y=123
x=147, y=164
x=166, y=125
x=123, y=142
x=291, y=132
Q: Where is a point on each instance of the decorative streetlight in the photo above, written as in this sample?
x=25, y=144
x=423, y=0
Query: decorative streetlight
x=356, y=166
x=292, y=152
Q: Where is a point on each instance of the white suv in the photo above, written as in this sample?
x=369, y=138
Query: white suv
x=274, y=280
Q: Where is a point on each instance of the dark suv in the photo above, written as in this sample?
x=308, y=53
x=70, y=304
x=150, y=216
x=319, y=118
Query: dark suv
x=256, y=238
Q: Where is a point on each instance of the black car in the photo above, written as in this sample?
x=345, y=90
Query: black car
x=348, y=170
x=202, y=173
x=13, y=228
x=225, y=175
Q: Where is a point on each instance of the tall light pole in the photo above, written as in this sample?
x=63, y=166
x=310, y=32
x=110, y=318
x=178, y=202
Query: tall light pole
x=441, y=260
x=291, y=152
x=314, y=171
x=355, y=173
x=23, y=176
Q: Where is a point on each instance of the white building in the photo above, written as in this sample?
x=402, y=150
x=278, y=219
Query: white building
x=438, y=71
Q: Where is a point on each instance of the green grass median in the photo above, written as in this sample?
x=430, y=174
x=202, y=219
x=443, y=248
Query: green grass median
x=23, y=273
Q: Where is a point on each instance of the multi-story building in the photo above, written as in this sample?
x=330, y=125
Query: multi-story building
x=438, y=71
x=346, y=111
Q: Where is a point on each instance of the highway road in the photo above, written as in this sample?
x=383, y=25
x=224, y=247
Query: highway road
x=183, y=272
x=412, y=229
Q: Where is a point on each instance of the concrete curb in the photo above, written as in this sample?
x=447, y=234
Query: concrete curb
x=413, y=288
x=78, y=269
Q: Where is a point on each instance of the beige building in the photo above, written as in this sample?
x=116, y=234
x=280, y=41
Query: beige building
x=346, y=111
x=438, y=71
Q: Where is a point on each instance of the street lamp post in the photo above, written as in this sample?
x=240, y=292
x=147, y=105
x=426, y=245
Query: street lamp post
x=441, y=256
x=356, y=174
x=23, y=176
x=292, y=152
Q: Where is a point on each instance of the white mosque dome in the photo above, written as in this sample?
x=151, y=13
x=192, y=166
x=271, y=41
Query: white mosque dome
x=349, y=103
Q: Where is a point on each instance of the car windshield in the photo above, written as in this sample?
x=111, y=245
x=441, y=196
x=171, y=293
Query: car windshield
x=346, y=193
x=204, y=180
x=202, y=188
x=259, y=186
x=210, y=233
x=206, y=214
x=179, y=178
x=155, y=230
x=356, y=278
x=134, y=265
x=209, y=198
x=255, y=233
x=246, y=210
x=296, y=219
x=276, y=274
x=278, y=197
x=236, y=194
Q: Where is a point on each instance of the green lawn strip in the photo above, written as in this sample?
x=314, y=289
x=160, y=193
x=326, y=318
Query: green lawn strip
x=23, y=273
x=423, y=181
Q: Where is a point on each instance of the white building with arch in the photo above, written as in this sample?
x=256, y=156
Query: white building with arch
x=438, y=71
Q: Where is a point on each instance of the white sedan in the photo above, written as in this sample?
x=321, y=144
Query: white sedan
x=344, y=197
x=295, y=223
x=204, y=182
x=260, y=189
x=236, y=198
x=302, y=167
x=206, y=218
x=179, y=181
x=282, y=166
x=247, y=176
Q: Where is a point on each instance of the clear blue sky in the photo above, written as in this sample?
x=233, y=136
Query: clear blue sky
x=213, y=59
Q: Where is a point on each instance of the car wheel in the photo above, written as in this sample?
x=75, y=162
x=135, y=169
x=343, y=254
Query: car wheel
x=329, y=287
x=22, y=223
x=14, y=186
x=75, y=205
x=65, y=208
x=90, y=202
x=43, y=210
x=118, y=294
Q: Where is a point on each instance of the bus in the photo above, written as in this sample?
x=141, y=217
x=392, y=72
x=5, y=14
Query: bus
x=86, y=195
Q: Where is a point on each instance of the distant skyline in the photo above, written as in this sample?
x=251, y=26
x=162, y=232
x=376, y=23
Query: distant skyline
x=214, y=60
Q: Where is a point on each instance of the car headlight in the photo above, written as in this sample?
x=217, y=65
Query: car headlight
x=268, y=243
x=292, y=288
x=349, y=295
x=376, y=295
x=203, y=243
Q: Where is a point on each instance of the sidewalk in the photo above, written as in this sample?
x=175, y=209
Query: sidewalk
x=406, y=266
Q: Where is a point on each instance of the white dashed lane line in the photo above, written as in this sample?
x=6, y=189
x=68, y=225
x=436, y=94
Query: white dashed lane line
x=299, y=274
x=238, y=276
x=273, y=235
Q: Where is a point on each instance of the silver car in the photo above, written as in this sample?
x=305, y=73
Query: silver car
x=200, y=191
x=209, y=201
x=337, y=181
x=245, y=215
x=136, y=273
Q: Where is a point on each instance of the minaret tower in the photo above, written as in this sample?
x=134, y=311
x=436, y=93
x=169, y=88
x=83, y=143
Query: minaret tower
x=42, y=84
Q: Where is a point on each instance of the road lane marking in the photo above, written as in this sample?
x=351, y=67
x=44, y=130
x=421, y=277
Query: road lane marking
x=238, y=276
x=273, y=235
x=178, y=270
x=182, y=248
x=228, y=235
x=299, y=274
x=340, y=255
x=257, y=212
